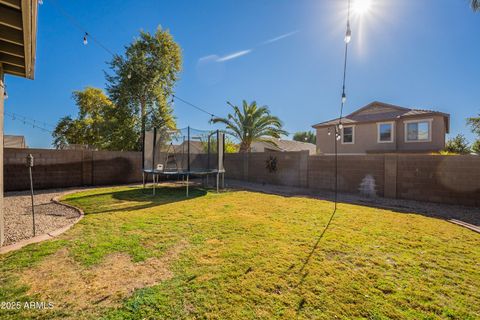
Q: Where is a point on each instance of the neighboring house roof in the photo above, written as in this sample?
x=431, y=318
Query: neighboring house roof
x=286, y=145
x=18, y=37
x=385, y=112
x=11, y=141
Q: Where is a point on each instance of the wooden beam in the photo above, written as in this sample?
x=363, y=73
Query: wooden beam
x=12, y=49
x=29, y=25
x=11, y=35
x=12, y=60
x=11, y=18
x=14, y=70
x=15, y=4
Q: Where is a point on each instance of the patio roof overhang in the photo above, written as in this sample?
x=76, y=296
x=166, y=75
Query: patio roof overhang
x=18, y=37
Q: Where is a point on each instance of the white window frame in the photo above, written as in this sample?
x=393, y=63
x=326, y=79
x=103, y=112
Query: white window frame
x=392, y=135
x=353, y=134
x=406, y=122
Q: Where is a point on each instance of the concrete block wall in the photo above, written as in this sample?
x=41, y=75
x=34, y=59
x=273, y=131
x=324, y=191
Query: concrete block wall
x=351, y=172
x=252, y=167
x=447, y=179
x=444, y=179
x=70, y=168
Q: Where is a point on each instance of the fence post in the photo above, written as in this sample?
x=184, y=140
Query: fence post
x=390, y=177
x=303, y=168
x=245, y=166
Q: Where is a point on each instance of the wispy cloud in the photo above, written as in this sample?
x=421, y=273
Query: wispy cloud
x=280, y=37
x=234, y=55
x=241, y=53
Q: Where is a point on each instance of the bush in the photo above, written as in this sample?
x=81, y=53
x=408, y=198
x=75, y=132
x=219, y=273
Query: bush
x=457, y=145
x=476, y=146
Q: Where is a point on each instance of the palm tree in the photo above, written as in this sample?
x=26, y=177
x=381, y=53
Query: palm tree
x=251, y=123
x=475, y=4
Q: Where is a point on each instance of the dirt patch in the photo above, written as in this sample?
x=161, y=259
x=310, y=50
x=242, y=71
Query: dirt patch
x=68, y=284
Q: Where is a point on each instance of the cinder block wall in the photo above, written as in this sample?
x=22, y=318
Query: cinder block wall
x=448, y=179
x=351, y=172
x=445, y=179
x=70, y=168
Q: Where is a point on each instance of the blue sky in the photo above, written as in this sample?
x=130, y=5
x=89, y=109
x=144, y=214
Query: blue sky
x=284, y=54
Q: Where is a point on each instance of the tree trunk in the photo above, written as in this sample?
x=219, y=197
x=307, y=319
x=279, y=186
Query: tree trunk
x=244, y=147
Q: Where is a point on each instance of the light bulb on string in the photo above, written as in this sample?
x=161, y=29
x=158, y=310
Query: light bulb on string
x=5, y=95
x=340, y=126
x=85, y=38
x=129, y=75
x=344, y=97
x=348, y=34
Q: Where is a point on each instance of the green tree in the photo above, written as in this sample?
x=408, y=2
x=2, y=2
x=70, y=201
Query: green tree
x=143, y=79
x=230, y=146
x=305, y=136
x=458, y=144
x=476, y=146
x=474, y=123
x=95, y=110
x=251, y=123
x=475, y=4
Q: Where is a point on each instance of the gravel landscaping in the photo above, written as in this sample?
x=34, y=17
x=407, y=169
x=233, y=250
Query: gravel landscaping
x=49, y=216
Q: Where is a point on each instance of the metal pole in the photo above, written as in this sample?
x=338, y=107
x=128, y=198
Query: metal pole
x=188, y=150
x=33, y=207
x=30, y=165
x=187, y=183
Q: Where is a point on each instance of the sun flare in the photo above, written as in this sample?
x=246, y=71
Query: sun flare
x=361, y=7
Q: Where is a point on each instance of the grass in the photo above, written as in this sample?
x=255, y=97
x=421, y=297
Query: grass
x=244, y=255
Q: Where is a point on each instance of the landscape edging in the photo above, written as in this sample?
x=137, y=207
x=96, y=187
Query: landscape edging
x=48, y=235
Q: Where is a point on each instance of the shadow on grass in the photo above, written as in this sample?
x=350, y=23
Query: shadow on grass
x=163, y=195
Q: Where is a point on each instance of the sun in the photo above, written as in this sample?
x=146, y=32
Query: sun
x=361, y=7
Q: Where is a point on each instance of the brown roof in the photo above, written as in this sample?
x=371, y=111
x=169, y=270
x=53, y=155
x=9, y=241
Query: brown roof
x=288, y=145
x=394, y=112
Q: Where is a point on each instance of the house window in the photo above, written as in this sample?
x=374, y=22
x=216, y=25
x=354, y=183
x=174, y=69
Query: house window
x=348, y=135
x=385, y=132
x=418, y=131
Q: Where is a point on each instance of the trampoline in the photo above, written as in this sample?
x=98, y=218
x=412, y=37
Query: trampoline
x=183, y=154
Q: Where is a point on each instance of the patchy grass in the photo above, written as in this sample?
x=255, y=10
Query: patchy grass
x=244, y=255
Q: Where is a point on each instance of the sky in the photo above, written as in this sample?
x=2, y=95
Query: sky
x=286, y=54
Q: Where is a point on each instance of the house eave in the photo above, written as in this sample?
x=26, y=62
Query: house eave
x=18, y=37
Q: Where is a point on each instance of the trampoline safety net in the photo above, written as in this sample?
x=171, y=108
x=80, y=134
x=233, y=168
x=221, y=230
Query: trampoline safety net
x=184, y=150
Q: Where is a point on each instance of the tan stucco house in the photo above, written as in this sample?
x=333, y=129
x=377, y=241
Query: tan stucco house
x=18, y=34
x=384, y=128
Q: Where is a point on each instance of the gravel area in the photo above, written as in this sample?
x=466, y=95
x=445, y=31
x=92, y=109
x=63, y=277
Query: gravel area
x=49, y=216
x=470, y=215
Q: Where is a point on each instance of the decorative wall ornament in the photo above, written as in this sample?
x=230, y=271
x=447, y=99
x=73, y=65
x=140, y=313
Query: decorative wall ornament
x=271, y=164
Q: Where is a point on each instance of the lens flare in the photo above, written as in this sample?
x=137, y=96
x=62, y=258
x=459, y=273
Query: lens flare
x=361, y=7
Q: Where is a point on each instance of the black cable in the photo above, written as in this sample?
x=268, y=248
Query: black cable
x=335, y=137
x=339, y=127
x=192, y=105
x=26, y=122
x=87, y=34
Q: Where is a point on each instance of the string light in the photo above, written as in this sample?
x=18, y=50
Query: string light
x=87, y=35
x=27, y=122
x=348, y=33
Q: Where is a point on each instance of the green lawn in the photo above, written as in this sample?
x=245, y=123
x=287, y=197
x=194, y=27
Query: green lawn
x=241, y=255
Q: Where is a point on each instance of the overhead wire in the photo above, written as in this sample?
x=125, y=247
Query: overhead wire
x=88, y=34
